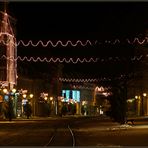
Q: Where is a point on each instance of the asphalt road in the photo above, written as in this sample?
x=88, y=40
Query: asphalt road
x=72, y=131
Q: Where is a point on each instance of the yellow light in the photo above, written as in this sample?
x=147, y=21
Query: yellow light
x=24, y=95
x=31, y=95
x=51, y=98
x=13, y=90
x=136, y=97
x=45, y=98
x=83, y=102
x=144, y=94
x=5, y=90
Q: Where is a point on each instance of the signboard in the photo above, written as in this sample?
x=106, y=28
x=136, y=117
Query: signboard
x=71, y=94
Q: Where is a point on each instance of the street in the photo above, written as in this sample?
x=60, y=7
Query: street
x=72, y=131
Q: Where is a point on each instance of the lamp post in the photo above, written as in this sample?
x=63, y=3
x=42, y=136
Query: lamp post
x=138, y=100
x=23, y=103
x=51, y=106
x=143, y=104
x=30, y=98
x=32, y=103
x=13, y=94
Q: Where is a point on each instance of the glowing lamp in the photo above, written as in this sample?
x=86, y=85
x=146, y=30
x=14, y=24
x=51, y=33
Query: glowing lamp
x=5, y=90
x=31, y=95
x=144, y=94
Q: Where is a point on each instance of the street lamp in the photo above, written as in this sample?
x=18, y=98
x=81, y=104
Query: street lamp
x=31, y=96
x=139, y=107
x=5, y=90
x=143, y=109
x=45, y=98
x=32, y=103
x=24, y=96
x=14, y=90
x=51, y=98
x=144, y=94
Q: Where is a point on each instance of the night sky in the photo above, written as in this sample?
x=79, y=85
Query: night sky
x=80, y=21
x=47, y=20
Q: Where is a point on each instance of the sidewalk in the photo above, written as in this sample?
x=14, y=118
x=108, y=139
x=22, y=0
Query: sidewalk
x=33, y=118
x=37, y=118
x=105, y=126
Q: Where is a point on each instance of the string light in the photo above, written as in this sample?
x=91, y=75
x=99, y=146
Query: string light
x=90, y=80
x=87, y=87
x=145, y=40
x=78, y=60
x=78, y=80
x=79, y=42
x=71, y=60
x=121, y=77
x=69, y=42
x=88, y=42
x=117, y=41
x=49, y=42
x=82, y=87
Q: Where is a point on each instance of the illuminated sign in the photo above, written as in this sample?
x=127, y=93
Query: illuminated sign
x=6, y=97
x=71, y=94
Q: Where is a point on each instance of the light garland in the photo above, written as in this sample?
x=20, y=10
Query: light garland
x=79, y=42
x=88, y=42
x=117, y=41
x=31, y=43
x=69, y=42
x=78, y=80
x=71, y=60
x=82, y=87
x=121, y=77
x=87, y=87
x=89, y=80
x=145, y=40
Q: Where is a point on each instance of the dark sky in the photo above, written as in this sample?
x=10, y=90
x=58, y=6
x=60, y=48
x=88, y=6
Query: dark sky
x=48, y=20
x=80, y=21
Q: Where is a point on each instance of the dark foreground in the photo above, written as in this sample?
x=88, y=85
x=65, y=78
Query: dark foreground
x=72, y=131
